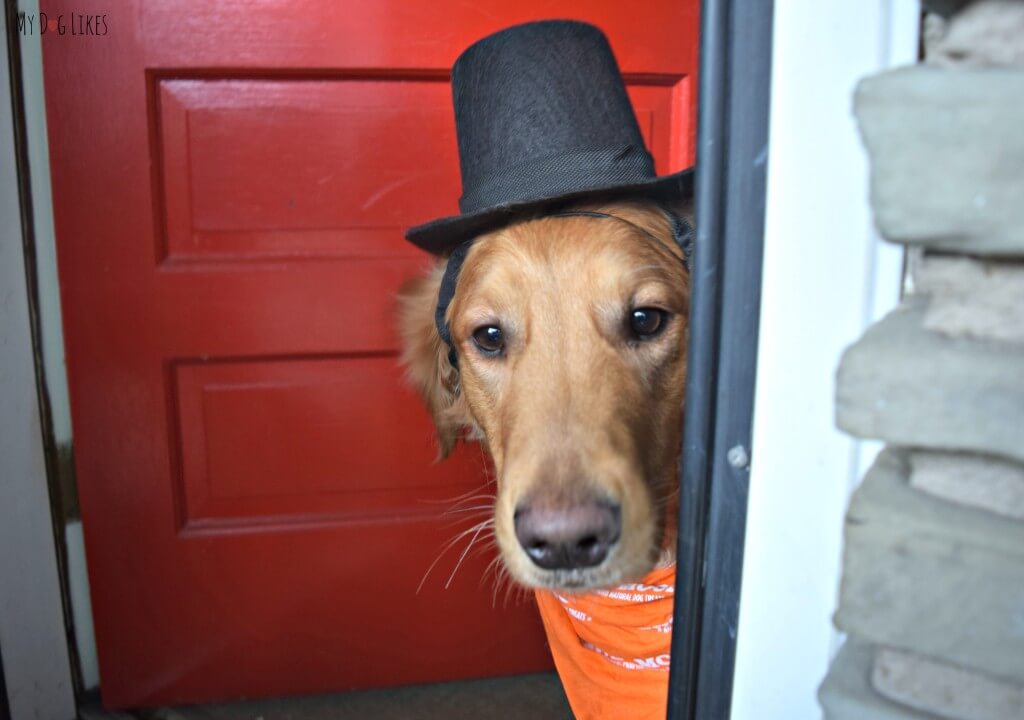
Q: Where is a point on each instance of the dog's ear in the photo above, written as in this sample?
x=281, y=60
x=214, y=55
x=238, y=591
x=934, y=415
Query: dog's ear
x=425, y=358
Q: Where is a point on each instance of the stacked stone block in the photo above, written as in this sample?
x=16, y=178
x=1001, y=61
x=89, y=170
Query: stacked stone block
x=932, y=594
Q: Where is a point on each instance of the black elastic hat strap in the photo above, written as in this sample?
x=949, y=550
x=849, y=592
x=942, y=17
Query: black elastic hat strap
x=445, y=295
x=682, y=232
x=684, y=235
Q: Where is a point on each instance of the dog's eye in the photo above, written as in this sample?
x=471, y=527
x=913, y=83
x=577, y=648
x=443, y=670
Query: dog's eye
x=645, y=323
x=489, y=339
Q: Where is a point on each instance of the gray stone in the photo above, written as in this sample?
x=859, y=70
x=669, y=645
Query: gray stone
x=846, y=693
x=944, y=8
x=944, y=690
x=985, y=33
x=972, y=298
x=931, y=577
x=947, y=157
x=911, y=387
x=975, y=480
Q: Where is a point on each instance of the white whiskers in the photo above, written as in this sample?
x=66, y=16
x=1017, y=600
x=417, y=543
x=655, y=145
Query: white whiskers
x=475, y=531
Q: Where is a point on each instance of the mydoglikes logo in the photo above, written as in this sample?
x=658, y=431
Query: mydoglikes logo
x=71, y=24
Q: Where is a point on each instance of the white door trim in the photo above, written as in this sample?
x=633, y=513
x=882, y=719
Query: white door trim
x=33, y=641
x=826, y=277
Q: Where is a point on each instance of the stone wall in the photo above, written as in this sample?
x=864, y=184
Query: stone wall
x=932, y=594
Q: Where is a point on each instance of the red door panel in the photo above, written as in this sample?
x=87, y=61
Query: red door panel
x=231, y=183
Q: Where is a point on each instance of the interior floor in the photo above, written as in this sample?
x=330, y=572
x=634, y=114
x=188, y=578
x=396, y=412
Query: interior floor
x=535, y=697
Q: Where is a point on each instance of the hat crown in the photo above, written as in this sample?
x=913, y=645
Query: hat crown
x=534, y=95
x=542, y=119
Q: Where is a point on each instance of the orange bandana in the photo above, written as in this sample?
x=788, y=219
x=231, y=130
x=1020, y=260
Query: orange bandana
x=611, y=647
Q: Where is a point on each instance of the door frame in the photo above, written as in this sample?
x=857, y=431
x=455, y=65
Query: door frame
x=34, y=644
x=732, y=161
x=827, y=276
x=779, y=525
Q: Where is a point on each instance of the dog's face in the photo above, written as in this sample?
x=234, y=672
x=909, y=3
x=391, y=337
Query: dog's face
x=571, y=338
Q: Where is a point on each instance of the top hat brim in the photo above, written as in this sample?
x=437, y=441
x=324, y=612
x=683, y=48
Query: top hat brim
x=443, y=235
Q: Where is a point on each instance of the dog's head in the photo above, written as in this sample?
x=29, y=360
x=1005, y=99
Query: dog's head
x=571, y=341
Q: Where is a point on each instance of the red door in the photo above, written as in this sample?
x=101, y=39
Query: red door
x=231, y=182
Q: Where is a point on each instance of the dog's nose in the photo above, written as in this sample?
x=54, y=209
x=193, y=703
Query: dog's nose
x=576, y=536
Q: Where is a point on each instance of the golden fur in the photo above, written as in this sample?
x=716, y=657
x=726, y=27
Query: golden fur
x=576, y=405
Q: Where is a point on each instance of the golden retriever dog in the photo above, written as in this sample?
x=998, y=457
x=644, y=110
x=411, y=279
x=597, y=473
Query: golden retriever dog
x=570, y=333
x=558, y=339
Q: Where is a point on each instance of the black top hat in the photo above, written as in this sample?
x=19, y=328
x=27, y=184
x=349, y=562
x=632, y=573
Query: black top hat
x=542, y=117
